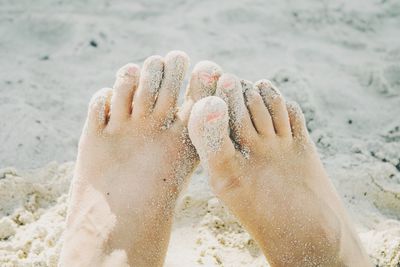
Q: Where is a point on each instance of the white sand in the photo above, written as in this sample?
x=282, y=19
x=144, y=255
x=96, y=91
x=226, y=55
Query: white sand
x=340, y=61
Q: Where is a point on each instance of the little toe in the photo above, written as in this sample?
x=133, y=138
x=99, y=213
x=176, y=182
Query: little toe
x=229, y=88
x=297, y=122
x=175, y=66
x=203, y=82
x=149, y=85
x=276, y=106
x=127, y=79
x=99, y=108
x=259, y=114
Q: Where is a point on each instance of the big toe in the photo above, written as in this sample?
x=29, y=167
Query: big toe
x=208, y=130
x=203, y=83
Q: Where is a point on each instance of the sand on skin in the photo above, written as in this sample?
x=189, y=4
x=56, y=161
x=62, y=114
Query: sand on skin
x=339, y=61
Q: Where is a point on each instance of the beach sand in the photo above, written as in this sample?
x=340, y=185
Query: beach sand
x=340, y=61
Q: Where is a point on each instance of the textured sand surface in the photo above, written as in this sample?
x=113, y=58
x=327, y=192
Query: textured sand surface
x=340, y=61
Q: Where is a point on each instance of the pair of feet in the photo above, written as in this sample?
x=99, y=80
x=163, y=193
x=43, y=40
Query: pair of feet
x=138, y=150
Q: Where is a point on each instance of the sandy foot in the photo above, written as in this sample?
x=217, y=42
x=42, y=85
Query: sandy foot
x=264, y=167
x=134, y=158
x=203, y=234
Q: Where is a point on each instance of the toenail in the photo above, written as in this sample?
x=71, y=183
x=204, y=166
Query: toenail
x=129, y=70
x=268, y=89
x=246, y=85
x=99, y=97
x=213, y=116
x=206, y=78
x=100, y=101
x=228, y=84
x=178, y=58
x=265, y=84
x=178, y=54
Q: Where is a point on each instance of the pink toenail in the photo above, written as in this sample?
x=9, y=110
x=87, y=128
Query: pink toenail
x=207, y=78
x=131, y=70
x=213, y=116
x=227, y=84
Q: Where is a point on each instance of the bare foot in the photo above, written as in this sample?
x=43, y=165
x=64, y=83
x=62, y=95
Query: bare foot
x=264, y=167
x=134, y=158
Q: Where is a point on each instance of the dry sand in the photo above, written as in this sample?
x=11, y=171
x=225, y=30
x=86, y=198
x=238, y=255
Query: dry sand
x=340, y=61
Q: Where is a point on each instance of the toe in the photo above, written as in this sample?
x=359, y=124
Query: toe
x=276, y=106
x=175, y=66
x=150, y=81
x=259, y=114
x=127, y=79
x=229, y=88
x=203, y=82
x=246, y=85
x=297, y=122
x=99, y=108
x=208, y=130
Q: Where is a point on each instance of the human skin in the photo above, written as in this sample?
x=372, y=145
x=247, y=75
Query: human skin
x=263, y=165
x=134, y=158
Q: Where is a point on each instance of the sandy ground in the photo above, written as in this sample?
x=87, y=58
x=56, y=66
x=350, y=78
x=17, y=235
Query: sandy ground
x=340, y=60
